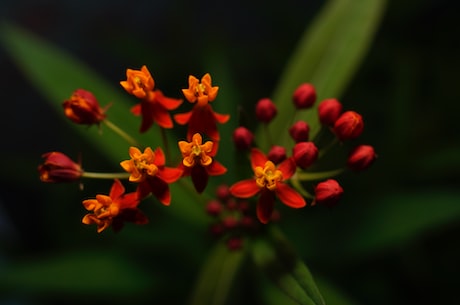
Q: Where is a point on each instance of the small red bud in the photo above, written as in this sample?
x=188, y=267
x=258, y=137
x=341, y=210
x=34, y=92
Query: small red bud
x=277, y=154
x=265, y=110
x=304, y=96
x=83, y=108
x=230, y=222
x=222, y=192
x=328, y=192
x=304, y=154
x=349, y=126
x=58, y=167
x=329, y=111
x=214, y=207
x=299, y=131
x=242, y=137
x=361, y=157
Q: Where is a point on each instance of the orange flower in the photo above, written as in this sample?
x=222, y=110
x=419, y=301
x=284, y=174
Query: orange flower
x=148, y=170
x=58, y=167
x=83, y=108
x=269, y=181
x=114, y=209
x=202, y=119
x=154, y=106
x=198, y=161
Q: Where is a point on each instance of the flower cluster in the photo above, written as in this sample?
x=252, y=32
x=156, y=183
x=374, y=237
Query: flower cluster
x=278, y=174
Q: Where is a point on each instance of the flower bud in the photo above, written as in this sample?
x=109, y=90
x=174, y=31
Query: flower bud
x=329, y=111
x=58, y=167
x=299, y=131
x=304, y=154
x=349, y=126
x=234, y=243
x=304, y=96
x=277, y=154
x=328, y=192
x=265, y=110
x=83, y=108
x=361, y=157
x=214, y=208
x=242, y=137
x=222, y=192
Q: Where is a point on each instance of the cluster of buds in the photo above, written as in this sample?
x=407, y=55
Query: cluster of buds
x=279, y=174
x=233, y=219
x=274, y=171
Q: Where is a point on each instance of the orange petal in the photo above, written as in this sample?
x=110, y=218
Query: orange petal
x=167, y=102
x=183, y=118
x=169, y=174
x=289, y=196
x=245, y=188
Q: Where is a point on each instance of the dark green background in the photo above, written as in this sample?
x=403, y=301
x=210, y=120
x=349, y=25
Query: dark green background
x=392, y=240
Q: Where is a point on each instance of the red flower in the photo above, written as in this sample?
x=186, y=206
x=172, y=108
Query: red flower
x=269, y=182
x=148, y=170
x=83, y=108
x=349, y=126
x=304, y=96
x=328, y=192
x=115, y=209
x=361, y=157
x=265, y=110
x=198, y=161
x=58, y=167
x=154, y=106
x=201, y=119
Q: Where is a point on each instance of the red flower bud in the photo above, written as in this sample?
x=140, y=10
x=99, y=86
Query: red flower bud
x=304, y=154
x=214, y=208
x=277, y=154
x=304, y=96
x=299, y=131
x=83, y=108
x=349, y=126
x=222, y=192
x=329, y=111
x=265, y=110
x=242, y=137
x=59, y=168
x=234, y=243
x=361, y=157
x=328, y=192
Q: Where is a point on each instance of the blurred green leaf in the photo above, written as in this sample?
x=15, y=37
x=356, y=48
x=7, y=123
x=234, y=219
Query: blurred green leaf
x=216, y=277
x=328, y=54
x=101, y=274
x=56, y=75
x=276, y=257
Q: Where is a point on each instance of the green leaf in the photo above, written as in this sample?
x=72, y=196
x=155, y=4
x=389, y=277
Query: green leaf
x=328, y=55
x=99, y=274
x=216, y=277
x=279, y=261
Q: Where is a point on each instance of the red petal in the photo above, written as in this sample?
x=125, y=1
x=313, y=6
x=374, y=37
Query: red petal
x=136, y=109
x=221, y=118
x=257, y=158
x=169, y=174
x=199, y=178
x=289, y=196
x=182, y=118
x=159, y=157
x=216, y=169
x=130, y=200
x=167, y=102
x=288, y=168
x=265, y=206
x=117, y=189
x=161, y=116
x=245, y=188
x=160, y=189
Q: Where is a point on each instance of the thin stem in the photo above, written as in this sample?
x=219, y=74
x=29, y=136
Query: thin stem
x=105, y=175
x=295, y=181
x=267, y=134
x=164, y=139
x=121, y=133
x=310, y=176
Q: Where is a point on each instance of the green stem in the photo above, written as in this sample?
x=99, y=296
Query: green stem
x=310, y=176
x=121, y=133
x=105, y=175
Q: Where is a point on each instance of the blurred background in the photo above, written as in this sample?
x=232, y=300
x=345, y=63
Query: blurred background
x=392, y=240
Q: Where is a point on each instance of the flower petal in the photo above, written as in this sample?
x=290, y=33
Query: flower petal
x=183, y=118
x=167, y=102
x=160, y=159
x=288, y=168
x=245, y=188
x=257, y=158
x=169, y=174
x=216, y=169
x=289, y=196
x=265, y=206
x=117, y=190
x=199, y=178
x=160, y=190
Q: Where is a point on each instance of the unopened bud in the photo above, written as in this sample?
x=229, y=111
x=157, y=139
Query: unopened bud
x=361, y=157
x=242, y=137
x=304, y=154
x=265, y=110
x=329, y=111
x=277, y=154
x=299, y=131
x=304, y=96
x=349, y=126
x=328, y=192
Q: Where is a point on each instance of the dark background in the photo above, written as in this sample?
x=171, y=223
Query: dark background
x=406, y=88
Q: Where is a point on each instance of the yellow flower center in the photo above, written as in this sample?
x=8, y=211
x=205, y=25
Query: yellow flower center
x=195, y=151
x=141, y=165
x=268, y=176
